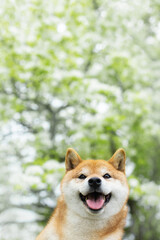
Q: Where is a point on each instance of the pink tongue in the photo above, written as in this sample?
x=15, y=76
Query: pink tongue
x=95, y=204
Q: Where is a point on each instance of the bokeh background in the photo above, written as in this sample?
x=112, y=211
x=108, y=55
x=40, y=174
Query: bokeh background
x=81, y=74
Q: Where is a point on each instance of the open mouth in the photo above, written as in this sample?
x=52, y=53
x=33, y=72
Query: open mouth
x=95, y=201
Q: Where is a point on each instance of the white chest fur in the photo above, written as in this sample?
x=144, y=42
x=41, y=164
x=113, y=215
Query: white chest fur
x=85, y=229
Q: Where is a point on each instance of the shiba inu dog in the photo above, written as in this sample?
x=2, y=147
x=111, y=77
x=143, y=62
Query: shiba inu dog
x=92, y=205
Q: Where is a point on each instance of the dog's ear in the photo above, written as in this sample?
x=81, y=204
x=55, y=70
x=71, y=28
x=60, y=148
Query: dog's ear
x=118, y=160
x=72, y=159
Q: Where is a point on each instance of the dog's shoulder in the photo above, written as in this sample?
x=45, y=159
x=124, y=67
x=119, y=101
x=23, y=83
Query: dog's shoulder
x=48, y=234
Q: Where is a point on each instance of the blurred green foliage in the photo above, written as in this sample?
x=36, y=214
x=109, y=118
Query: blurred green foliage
x=82, y=74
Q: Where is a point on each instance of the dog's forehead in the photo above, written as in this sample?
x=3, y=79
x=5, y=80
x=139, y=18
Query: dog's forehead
x=95, y=166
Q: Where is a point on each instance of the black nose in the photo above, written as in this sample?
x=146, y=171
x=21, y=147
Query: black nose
x=94, y=182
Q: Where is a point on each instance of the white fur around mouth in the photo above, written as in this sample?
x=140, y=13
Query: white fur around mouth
x=95, y=201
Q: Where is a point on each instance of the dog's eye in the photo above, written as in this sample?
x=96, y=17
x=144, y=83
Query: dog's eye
x=82, y=176
x=107, y=175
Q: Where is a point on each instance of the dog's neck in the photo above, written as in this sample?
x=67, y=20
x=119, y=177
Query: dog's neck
x=72, y=226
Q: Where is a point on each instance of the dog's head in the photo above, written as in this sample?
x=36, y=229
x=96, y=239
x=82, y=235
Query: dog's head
x=95, y=187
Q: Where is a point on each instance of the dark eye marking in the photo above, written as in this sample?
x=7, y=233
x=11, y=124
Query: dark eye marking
x=82, y=176
x=107, y=175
